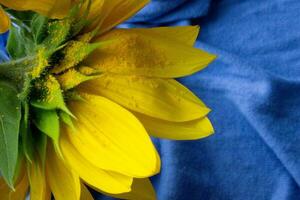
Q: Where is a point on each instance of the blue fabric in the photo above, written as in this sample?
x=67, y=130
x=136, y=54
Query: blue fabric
x=253, y=89
x=3, y=55
x=167, y=11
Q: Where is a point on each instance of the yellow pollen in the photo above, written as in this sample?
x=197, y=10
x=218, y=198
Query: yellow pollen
x=42, y=63
x=47, y=88
x=87, y=70
x=71, y=78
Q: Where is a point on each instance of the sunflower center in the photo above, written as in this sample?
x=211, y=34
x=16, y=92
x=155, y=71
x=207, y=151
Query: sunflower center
x=53, y=54
x=46, y=64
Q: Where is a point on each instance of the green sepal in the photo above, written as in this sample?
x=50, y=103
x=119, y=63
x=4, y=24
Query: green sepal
x=15, y=70
x=26, y=134
x=10, y=116
x=22, y=71
x=72, y=95
x=79, y=26
x=39, y=26
x=28, y=148
x=58, y=33
x=49, y=95
x=47, y=121
x=41, y=142
x=39, y=146
x=25, y=88
x=67, y=119
x=74, y=53
x=20, y=165
x=83, y=21
x=15, y=44
x=88, y=71
x=87, y=37
x=72, y=78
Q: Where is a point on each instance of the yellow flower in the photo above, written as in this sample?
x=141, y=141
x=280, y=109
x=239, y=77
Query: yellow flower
x=4, y=21
x=52, y=9
x=134, y=95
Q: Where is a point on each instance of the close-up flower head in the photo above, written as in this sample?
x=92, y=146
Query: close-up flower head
x=80, y=99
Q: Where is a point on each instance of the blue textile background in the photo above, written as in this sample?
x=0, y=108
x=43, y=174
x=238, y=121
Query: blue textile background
x=253, y=89
x=3, y=55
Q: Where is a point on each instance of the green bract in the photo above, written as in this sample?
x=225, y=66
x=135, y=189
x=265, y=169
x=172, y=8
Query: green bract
x=44, y=67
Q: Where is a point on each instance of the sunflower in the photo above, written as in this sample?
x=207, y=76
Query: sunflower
x=80, y=99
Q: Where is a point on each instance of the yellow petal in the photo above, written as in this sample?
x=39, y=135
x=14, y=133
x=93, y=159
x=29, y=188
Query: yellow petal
x=4, y=190
x=85, y=193
x=111, y=138
x=39, y=189
x=182, y=34
x=95, y=12
x=160, y=98
x=103, y=180
x=63, y=182
x=142, y=189
x=110, y=13
x=191, y=130
x=4, y=21
x=20, y=192
x=50, y=8
x=149, y=53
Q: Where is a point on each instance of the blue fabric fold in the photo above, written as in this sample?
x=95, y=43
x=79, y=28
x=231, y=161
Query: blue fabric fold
x=253, y=89
x=3, y=55
x=168, y=11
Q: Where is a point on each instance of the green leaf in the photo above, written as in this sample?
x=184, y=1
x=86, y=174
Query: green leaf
x=39, y=28
x=47, y=121
x=15, y=43
x=19, y=43
x=10, y=116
